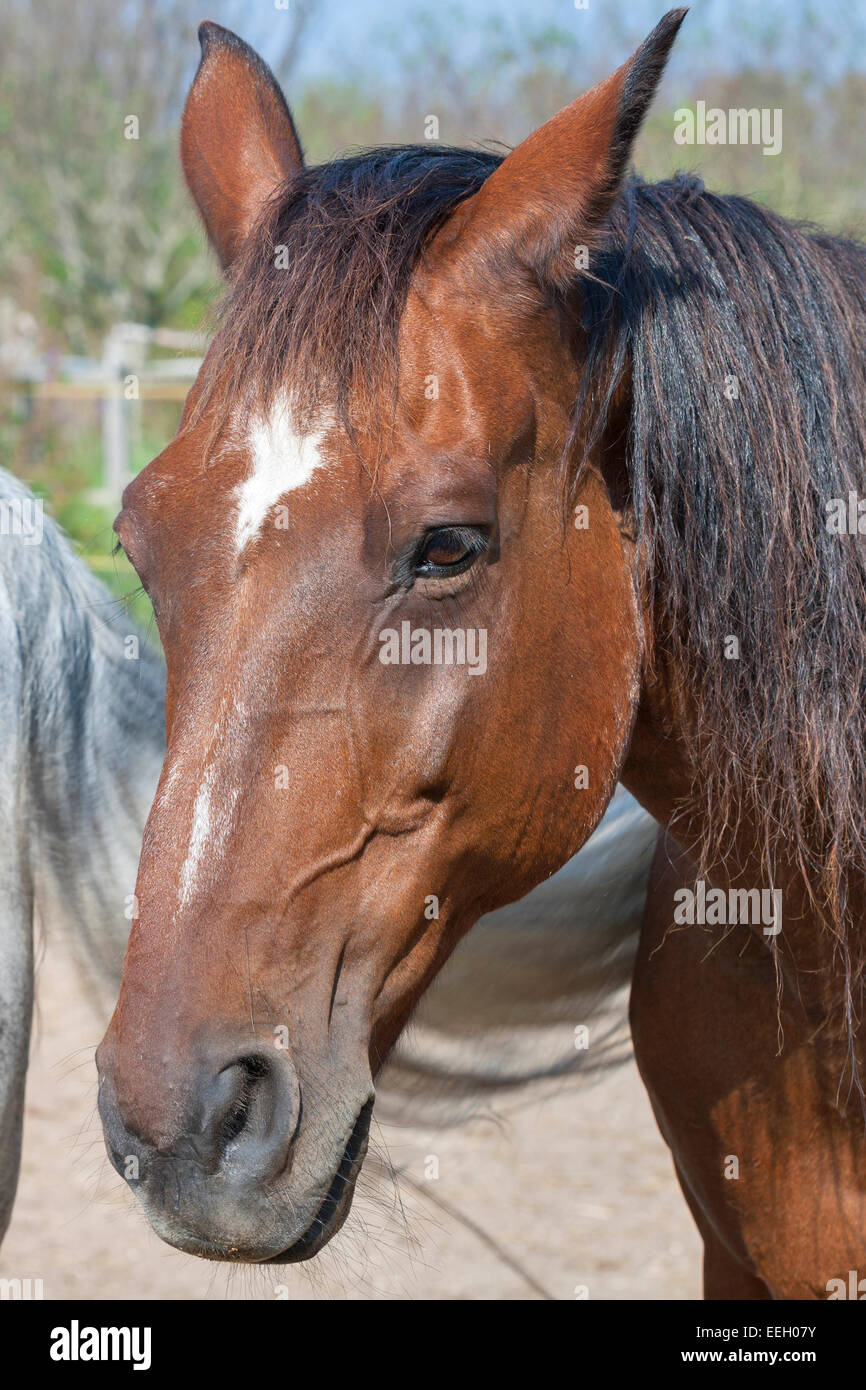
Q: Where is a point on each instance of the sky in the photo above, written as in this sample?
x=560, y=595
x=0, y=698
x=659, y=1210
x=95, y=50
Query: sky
x=807, y=34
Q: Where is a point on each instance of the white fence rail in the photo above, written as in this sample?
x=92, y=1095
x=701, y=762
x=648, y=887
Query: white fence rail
x=126, y=373
x=128, y=344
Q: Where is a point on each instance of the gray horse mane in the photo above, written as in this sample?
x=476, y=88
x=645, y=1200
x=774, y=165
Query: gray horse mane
x=89, y=731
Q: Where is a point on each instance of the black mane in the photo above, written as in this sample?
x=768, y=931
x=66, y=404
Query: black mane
x=730, y=490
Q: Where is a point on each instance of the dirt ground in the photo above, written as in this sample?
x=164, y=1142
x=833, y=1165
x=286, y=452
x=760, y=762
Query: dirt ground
x=558, y=1195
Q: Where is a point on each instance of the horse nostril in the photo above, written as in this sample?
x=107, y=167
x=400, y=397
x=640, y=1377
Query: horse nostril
x=247, y=1116
x=248, y=1072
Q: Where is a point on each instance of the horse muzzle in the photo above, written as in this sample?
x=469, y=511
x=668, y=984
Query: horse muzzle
x=246, y=1167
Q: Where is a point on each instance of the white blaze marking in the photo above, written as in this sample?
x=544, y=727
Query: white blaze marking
x=213, y=809
x=211, y=823
x=282, y=461
x=197, y=841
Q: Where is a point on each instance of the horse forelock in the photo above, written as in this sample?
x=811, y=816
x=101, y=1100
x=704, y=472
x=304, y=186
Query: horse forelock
x=317, y=294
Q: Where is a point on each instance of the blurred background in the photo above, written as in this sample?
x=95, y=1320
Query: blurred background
x=106, y=287
x=104, y=275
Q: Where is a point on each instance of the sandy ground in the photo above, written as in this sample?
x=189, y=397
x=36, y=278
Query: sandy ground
x=545, y=1195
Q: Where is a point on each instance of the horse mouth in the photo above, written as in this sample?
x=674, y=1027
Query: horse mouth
x=338, y=1200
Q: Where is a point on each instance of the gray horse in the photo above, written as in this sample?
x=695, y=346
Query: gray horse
x=82, y=749
x=81, y=699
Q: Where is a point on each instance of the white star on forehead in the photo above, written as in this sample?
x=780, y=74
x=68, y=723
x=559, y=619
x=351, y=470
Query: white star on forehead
x=282, y=461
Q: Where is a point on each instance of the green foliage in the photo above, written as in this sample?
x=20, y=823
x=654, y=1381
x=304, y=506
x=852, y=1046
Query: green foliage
x=97, y=226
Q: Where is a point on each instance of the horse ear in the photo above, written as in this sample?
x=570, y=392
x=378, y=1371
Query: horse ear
x=238, y=141
x=550, y=194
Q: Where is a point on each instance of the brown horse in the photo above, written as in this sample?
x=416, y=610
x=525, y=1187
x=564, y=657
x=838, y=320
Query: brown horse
x=502, y=479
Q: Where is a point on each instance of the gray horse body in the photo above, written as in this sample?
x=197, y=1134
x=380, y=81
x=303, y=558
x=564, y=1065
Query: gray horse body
x=83, y=743
x=83, y=746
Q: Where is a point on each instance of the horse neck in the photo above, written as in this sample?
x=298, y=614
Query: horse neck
x=660, y=774
x=96, y=743
x=657, y=770
x=120, y=754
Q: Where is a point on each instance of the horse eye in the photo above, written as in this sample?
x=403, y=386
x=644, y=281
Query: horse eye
x=449, y=550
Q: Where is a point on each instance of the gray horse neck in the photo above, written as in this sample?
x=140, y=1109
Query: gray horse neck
x=92, y=710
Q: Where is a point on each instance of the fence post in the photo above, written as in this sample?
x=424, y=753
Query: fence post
x=115, y=424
